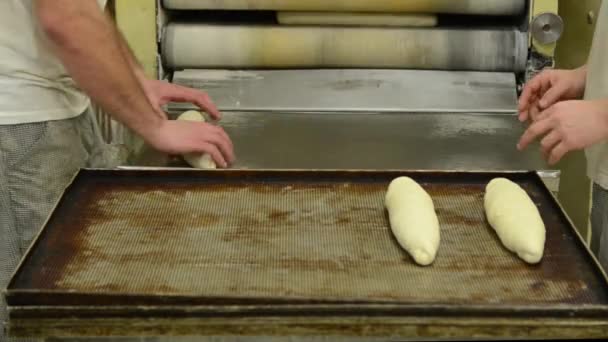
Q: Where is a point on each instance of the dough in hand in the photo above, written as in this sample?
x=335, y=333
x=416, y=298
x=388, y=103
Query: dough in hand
x=413, y=219
x=197, y=160
x=515, y=218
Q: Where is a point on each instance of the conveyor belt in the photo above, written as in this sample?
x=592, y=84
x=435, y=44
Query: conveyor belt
x=189, y=45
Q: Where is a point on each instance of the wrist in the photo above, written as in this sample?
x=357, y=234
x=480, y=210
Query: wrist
x=582, y=75
x=582, y=70
x=149, y=126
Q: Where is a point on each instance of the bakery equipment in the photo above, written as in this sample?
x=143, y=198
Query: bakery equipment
x=323, y=113
x=448, y=77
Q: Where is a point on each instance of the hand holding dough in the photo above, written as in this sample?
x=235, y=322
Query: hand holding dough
x=515, y=218
x=197, y=160
x=413, y=219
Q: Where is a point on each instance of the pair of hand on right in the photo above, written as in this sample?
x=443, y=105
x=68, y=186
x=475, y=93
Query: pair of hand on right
x=563, y=123
x=548, y=88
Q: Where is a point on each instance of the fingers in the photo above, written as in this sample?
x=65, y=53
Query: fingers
x=224, y=144
x=199, y=98
x=531, y=90
x=523, y=116
x=545, y=85
x=549, y=142
x=534, y=131
x=531, y=112
x=213, y=140
x=225, y=136
x=528, y=101
x=534, y=112
x=546, y=113
x=552, y=95
x=557, y=153
x=214, y=152
x=203, y=101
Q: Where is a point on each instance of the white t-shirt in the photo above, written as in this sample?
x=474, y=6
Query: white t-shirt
x=597, y=88
x=34, y=85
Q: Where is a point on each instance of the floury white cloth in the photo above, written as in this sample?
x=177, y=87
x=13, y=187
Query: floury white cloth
x=34, y=85
x=597, y=88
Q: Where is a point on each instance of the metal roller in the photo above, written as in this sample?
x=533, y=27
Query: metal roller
x=356, y=19
x=477, y=7
x=216, y=46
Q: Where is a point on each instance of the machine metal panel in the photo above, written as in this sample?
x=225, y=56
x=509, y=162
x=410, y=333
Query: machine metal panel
x=336, y=90
x=416, y=141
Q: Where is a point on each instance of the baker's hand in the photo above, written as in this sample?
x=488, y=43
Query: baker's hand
x=181, y=137
x=567, y=126
x=548, y=88
x=160, y=93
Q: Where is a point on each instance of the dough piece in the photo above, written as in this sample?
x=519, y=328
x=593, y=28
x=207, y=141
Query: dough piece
x=357, y=19
x=197, y=160
x=515, y=218
x=413, y=219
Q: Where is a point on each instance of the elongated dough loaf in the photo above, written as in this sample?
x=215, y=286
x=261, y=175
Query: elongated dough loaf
x=515, y=218
x=197, y=160
x=413, y=219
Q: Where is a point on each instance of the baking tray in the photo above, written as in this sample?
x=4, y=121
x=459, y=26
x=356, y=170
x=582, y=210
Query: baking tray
x=291, y=243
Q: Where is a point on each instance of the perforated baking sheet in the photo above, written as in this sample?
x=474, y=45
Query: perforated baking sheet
x=190, y=238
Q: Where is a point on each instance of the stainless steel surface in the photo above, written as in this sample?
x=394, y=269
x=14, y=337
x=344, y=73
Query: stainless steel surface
x=353, y=90
x=479, y=7
x=275, y=140
x=547, y=28
x=276, y=46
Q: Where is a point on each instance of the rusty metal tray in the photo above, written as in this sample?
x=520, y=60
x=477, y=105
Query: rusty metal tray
x=176, y=243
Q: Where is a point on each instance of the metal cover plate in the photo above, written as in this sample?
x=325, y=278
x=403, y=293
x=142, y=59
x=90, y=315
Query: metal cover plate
x=389, y=141
x=355, y=90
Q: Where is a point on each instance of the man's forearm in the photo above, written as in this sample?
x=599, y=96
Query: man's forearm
x=87, y=44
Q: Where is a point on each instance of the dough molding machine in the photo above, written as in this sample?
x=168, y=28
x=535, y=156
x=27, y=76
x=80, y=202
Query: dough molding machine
x=337, y=95
x=426, y=84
